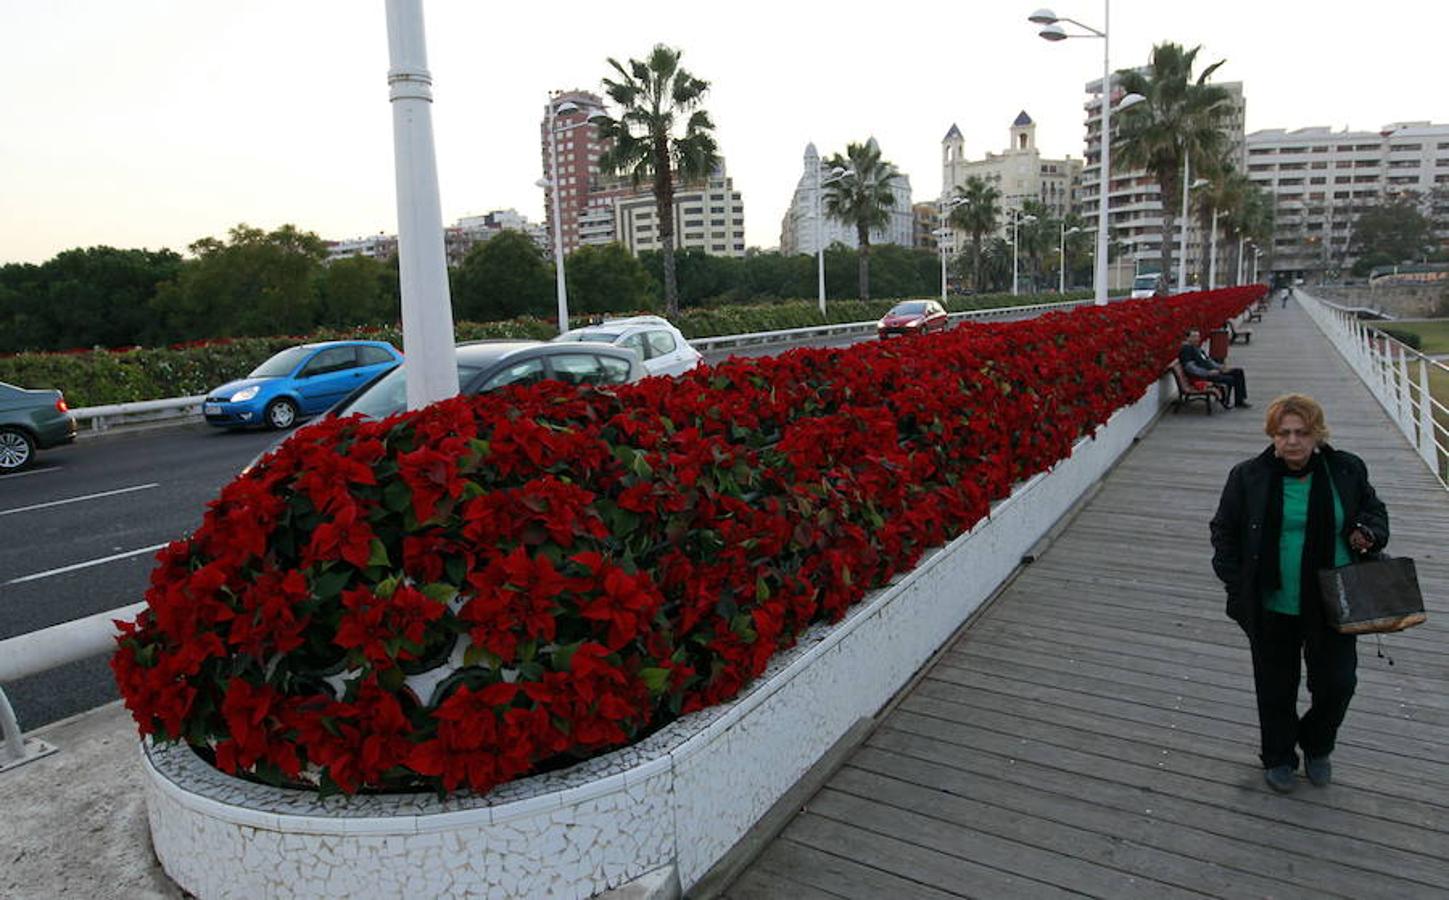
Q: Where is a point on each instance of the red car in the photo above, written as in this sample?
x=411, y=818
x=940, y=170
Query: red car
x=913, y=317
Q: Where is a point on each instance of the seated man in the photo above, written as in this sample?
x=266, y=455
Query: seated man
x=1198, y=364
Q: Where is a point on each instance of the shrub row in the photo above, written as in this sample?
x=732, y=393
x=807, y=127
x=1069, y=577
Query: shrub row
x=95, y=377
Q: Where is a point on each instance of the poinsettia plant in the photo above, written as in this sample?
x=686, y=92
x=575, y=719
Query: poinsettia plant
x=457, y=596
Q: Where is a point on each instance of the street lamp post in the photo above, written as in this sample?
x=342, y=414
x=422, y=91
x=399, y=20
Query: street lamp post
x=836, y=174
x=1062, y=255
x=1016, y=221
x=427, y=309
x=1053, y=31
x=553, y=185
x=1182, y=232
x=941, y=234
x=1213, y=253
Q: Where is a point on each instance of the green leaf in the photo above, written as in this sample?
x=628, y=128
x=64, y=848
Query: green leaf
x=378, y=556
x=391, y=679
x=762, y=590
x=443, y=593
x=397, y=496
x=655, y=679
x=330, y=584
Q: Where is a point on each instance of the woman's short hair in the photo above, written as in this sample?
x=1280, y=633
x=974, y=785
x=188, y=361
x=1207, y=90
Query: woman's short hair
x=1301, y=405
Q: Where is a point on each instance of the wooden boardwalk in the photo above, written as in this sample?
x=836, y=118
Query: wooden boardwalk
x=1094, y=732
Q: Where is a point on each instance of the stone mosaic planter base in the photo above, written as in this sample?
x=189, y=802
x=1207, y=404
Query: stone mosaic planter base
x=681, y=798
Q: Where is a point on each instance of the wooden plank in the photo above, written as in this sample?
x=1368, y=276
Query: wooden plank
x=838, y=875
x=762, y=883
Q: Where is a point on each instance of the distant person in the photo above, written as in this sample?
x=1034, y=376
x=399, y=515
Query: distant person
x=1287, y=295
x=1295, y=508
x=1199, y=365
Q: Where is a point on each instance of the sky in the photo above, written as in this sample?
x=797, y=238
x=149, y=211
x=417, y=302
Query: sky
x=153, y=123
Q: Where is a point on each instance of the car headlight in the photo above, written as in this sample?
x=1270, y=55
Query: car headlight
x=914, y=323
x=245, y=394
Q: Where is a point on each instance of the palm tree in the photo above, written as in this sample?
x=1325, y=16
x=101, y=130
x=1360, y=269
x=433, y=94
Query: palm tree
x=654, y=94
x=862, y=197
x=1224, y=194
x=977, y=214
x=1181, y=116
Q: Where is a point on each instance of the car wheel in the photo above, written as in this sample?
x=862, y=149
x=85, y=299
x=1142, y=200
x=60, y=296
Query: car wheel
x=16, y=449
x=281, y=414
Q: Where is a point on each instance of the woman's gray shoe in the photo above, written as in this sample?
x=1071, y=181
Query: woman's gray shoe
x=1281, y=778
x=1318, y=769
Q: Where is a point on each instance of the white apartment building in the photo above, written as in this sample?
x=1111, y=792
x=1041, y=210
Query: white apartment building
x=798, y=227
x=1135, y=213
x=1321, y=180
x=458, y=239
x=708, y=217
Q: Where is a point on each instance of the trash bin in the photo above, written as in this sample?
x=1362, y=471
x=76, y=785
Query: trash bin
x=1218, y=344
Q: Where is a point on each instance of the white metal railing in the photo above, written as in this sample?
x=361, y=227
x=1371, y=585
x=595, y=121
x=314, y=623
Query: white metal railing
x=726, y=341
x=40, y=651
x=102, y=418
x=1398, y=376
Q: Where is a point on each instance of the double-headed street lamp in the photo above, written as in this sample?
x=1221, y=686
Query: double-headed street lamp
x=942, y=233
x=836, y=174
x=1016, y=221
x=1053, y=31
x=1062, y=254
x=553, y=185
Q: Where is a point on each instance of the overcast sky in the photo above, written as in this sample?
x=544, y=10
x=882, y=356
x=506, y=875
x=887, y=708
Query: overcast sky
x=151, y=123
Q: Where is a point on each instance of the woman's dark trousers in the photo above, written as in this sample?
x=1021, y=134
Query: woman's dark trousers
x=1332, y=658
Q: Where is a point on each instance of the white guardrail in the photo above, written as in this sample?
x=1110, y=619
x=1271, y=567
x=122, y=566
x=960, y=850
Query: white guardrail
x=180, y=410
x=39, y=651
x=1399, y=377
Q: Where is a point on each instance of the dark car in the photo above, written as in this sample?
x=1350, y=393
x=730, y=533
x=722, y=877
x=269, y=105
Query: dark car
x=489, y=365
x=913, y=317
x=31, y=420
x=298, y=382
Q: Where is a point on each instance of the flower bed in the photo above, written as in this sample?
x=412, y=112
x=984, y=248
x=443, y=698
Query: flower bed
x=492, y=586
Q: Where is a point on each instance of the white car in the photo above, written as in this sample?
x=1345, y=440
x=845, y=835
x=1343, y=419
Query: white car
x=659, y=344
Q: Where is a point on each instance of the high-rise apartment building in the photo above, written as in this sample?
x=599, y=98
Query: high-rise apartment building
x=596, y=208
x=798, y=227
x=1136, y=208
x=1321, y=180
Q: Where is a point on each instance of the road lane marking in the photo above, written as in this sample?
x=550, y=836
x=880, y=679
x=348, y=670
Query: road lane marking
x=127, y=490
x=31, y=472
x=86, y=565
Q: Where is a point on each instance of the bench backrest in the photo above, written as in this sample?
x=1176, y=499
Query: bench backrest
x=1185, y=385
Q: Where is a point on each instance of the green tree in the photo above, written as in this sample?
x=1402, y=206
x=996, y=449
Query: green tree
x=503, y=277
x=1225, y=192
x=98, y=296
x=254, y=283
x=608, y=279
x=862, y=198
x=978, y=214
x=1394, y=230
x=1180, y=117
x=773, y=275
x=1038, y=236
x=359, y=290
x=646, y=141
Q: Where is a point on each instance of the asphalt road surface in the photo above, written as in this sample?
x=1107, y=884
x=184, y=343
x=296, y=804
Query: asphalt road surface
x=82, y=528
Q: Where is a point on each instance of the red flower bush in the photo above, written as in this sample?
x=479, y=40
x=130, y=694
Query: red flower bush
x=457, y=596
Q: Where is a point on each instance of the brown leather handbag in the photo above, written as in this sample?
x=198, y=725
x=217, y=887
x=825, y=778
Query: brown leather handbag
x=1376, y=596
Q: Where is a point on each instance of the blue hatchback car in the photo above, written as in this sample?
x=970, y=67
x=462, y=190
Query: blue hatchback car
x=298, y=382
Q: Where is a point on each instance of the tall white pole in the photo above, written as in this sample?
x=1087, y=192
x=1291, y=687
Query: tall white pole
x=560, y=282
x=429, y=362
x=941, y=248
x=1062, y=258
x=1105, y=178
x=1015, y=245
x=1213, y=254
x=1239, y=279
x=1182, y=236
x=819, y=239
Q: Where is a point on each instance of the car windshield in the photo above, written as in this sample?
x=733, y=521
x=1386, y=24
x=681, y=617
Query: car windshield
x=389, y=394
x=281, y=364
x=1145, y=282
x=589, y=334
x=908, y=309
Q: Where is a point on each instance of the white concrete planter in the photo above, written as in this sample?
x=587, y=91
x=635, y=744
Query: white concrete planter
x=679, y=799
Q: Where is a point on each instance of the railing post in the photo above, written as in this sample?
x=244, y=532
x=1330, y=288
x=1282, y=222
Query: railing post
x=1406, y=407
x=1427, y=448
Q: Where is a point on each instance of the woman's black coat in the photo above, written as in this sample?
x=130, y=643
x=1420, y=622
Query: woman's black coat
x=1237, y=527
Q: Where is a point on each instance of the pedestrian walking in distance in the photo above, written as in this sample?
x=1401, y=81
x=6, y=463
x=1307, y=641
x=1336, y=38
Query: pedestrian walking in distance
x=1295, y=508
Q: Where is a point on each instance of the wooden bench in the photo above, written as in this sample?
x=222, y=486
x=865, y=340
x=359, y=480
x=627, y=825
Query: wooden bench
x=1236, y=334
x=1189, y=389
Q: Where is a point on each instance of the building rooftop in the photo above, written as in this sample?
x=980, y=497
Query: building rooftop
x=1022, y=119
x=953, y=133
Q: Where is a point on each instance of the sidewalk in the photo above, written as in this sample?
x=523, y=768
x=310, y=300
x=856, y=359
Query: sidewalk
x=74, y=822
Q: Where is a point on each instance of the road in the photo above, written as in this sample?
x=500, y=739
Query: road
x=82, y=528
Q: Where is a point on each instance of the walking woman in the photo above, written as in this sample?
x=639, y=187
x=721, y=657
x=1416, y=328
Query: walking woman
x=1297, y=507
